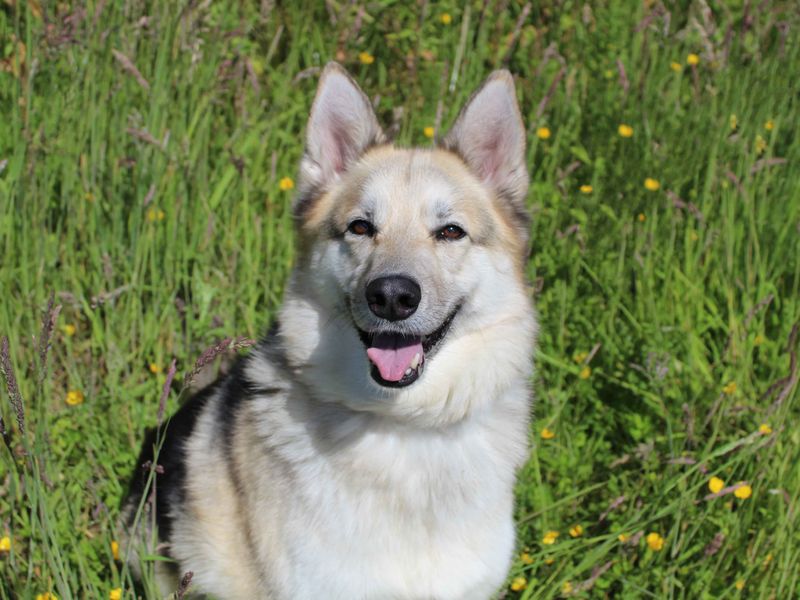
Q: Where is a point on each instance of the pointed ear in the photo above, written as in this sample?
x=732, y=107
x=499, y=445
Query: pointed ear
x=341, y=127
x=488, y=134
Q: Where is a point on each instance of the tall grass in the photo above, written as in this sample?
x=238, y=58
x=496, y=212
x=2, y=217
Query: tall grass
x=141, y=149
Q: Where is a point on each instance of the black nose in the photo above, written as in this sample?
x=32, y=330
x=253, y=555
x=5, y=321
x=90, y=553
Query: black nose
x=393, y=298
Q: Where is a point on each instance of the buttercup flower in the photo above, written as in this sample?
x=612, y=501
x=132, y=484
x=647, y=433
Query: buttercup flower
x=519, y=584
x=585, y=373
x=641, y=218
x=543, y=133
x=547, y=434
x=692, y=59
x=676, y=66
x=651, y=184
x=743, y=492
x=730, y=388
x=75, y=397
x=764, y=429
x=733, y=122
x=525, y=558
x=428, y=131
x=286, y=184
x=625, y=131
x=654, y=541
x=739, y=585
x=566, y=588
x=46, y=596
x=154, y=368
x=115, y=549
x=622, y=538
x=366, y=58
x=5, y=544
x=586, y=189
x=446, y=19
x=576, y=531
x=115, y=594
x=550, y=538
x=155, y=214
x=769, y=125
x=715, y=484
x=69, y=329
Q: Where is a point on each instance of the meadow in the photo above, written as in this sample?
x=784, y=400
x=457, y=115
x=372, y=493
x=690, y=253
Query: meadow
x=148, y=152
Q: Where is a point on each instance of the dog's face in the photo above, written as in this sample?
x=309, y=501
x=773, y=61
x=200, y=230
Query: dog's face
x=407, y=256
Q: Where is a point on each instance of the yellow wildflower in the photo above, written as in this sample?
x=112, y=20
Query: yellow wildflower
x=566, y=589
x=761, y=144
x=576, y=531
x=759, y=339
x=549, y=560
x=69, y=329
x=115, y=549
x=767, y=560
x=519, y=584
x=651, y=184
x=543, y=133
x=46, y=596
x=743, y=492
x=525, y=558
x=579, y=357
x=654, y=541
x=154, y=368
x=5, y=544
x=676, y=66
x=769, y=125
x=733, y=122
x=739, y=585
x=446, y=19
x=75, y=397
x=89, y=197
x=428, y=131
x=550, y=538
x=764, y=429
x=115, y=594
x=547, y=434
x=641, y=218
x=730, y=388
x=366, y=58
x=286, y=184
x=625, y=131
x=586, y=189
x=715, y=484
x=585, y=373
x=155, y=214
x=622, y=538
x=692, y=59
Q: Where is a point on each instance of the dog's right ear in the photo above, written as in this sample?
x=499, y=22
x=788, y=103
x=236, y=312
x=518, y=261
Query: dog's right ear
x=342, y=126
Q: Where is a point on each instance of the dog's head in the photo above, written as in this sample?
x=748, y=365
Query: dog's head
x=410, y=269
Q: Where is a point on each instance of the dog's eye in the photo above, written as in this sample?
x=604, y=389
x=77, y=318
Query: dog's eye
x=361, y=227
x=450, y=233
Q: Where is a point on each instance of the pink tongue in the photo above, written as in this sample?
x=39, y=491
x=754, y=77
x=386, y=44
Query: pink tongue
x=392, y=354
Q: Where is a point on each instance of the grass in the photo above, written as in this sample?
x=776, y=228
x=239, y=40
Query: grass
x=141, y=149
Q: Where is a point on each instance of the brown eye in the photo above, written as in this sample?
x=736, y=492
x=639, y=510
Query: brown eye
x=450, y=233
x=361, y=227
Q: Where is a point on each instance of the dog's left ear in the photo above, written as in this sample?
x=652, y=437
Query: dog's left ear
x=488, y=134
x=342, y=126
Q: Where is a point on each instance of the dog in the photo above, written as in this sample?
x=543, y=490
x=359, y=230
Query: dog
x=368, y=447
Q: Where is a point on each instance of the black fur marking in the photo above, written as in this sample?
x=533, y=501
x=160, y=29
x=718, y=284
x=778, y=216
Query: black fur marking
x=170, y=478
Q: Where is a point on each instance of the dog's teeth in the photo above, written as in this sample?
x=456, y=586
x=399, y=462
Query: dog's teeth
x=415, y=362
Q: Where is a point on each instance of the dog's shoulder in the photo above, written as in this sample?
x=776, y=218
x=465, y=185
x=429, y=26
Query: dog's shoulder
x=217, y=406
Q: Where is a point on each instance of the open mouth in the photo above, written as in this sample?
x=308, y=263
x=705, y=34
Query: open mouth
x=398, y=359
